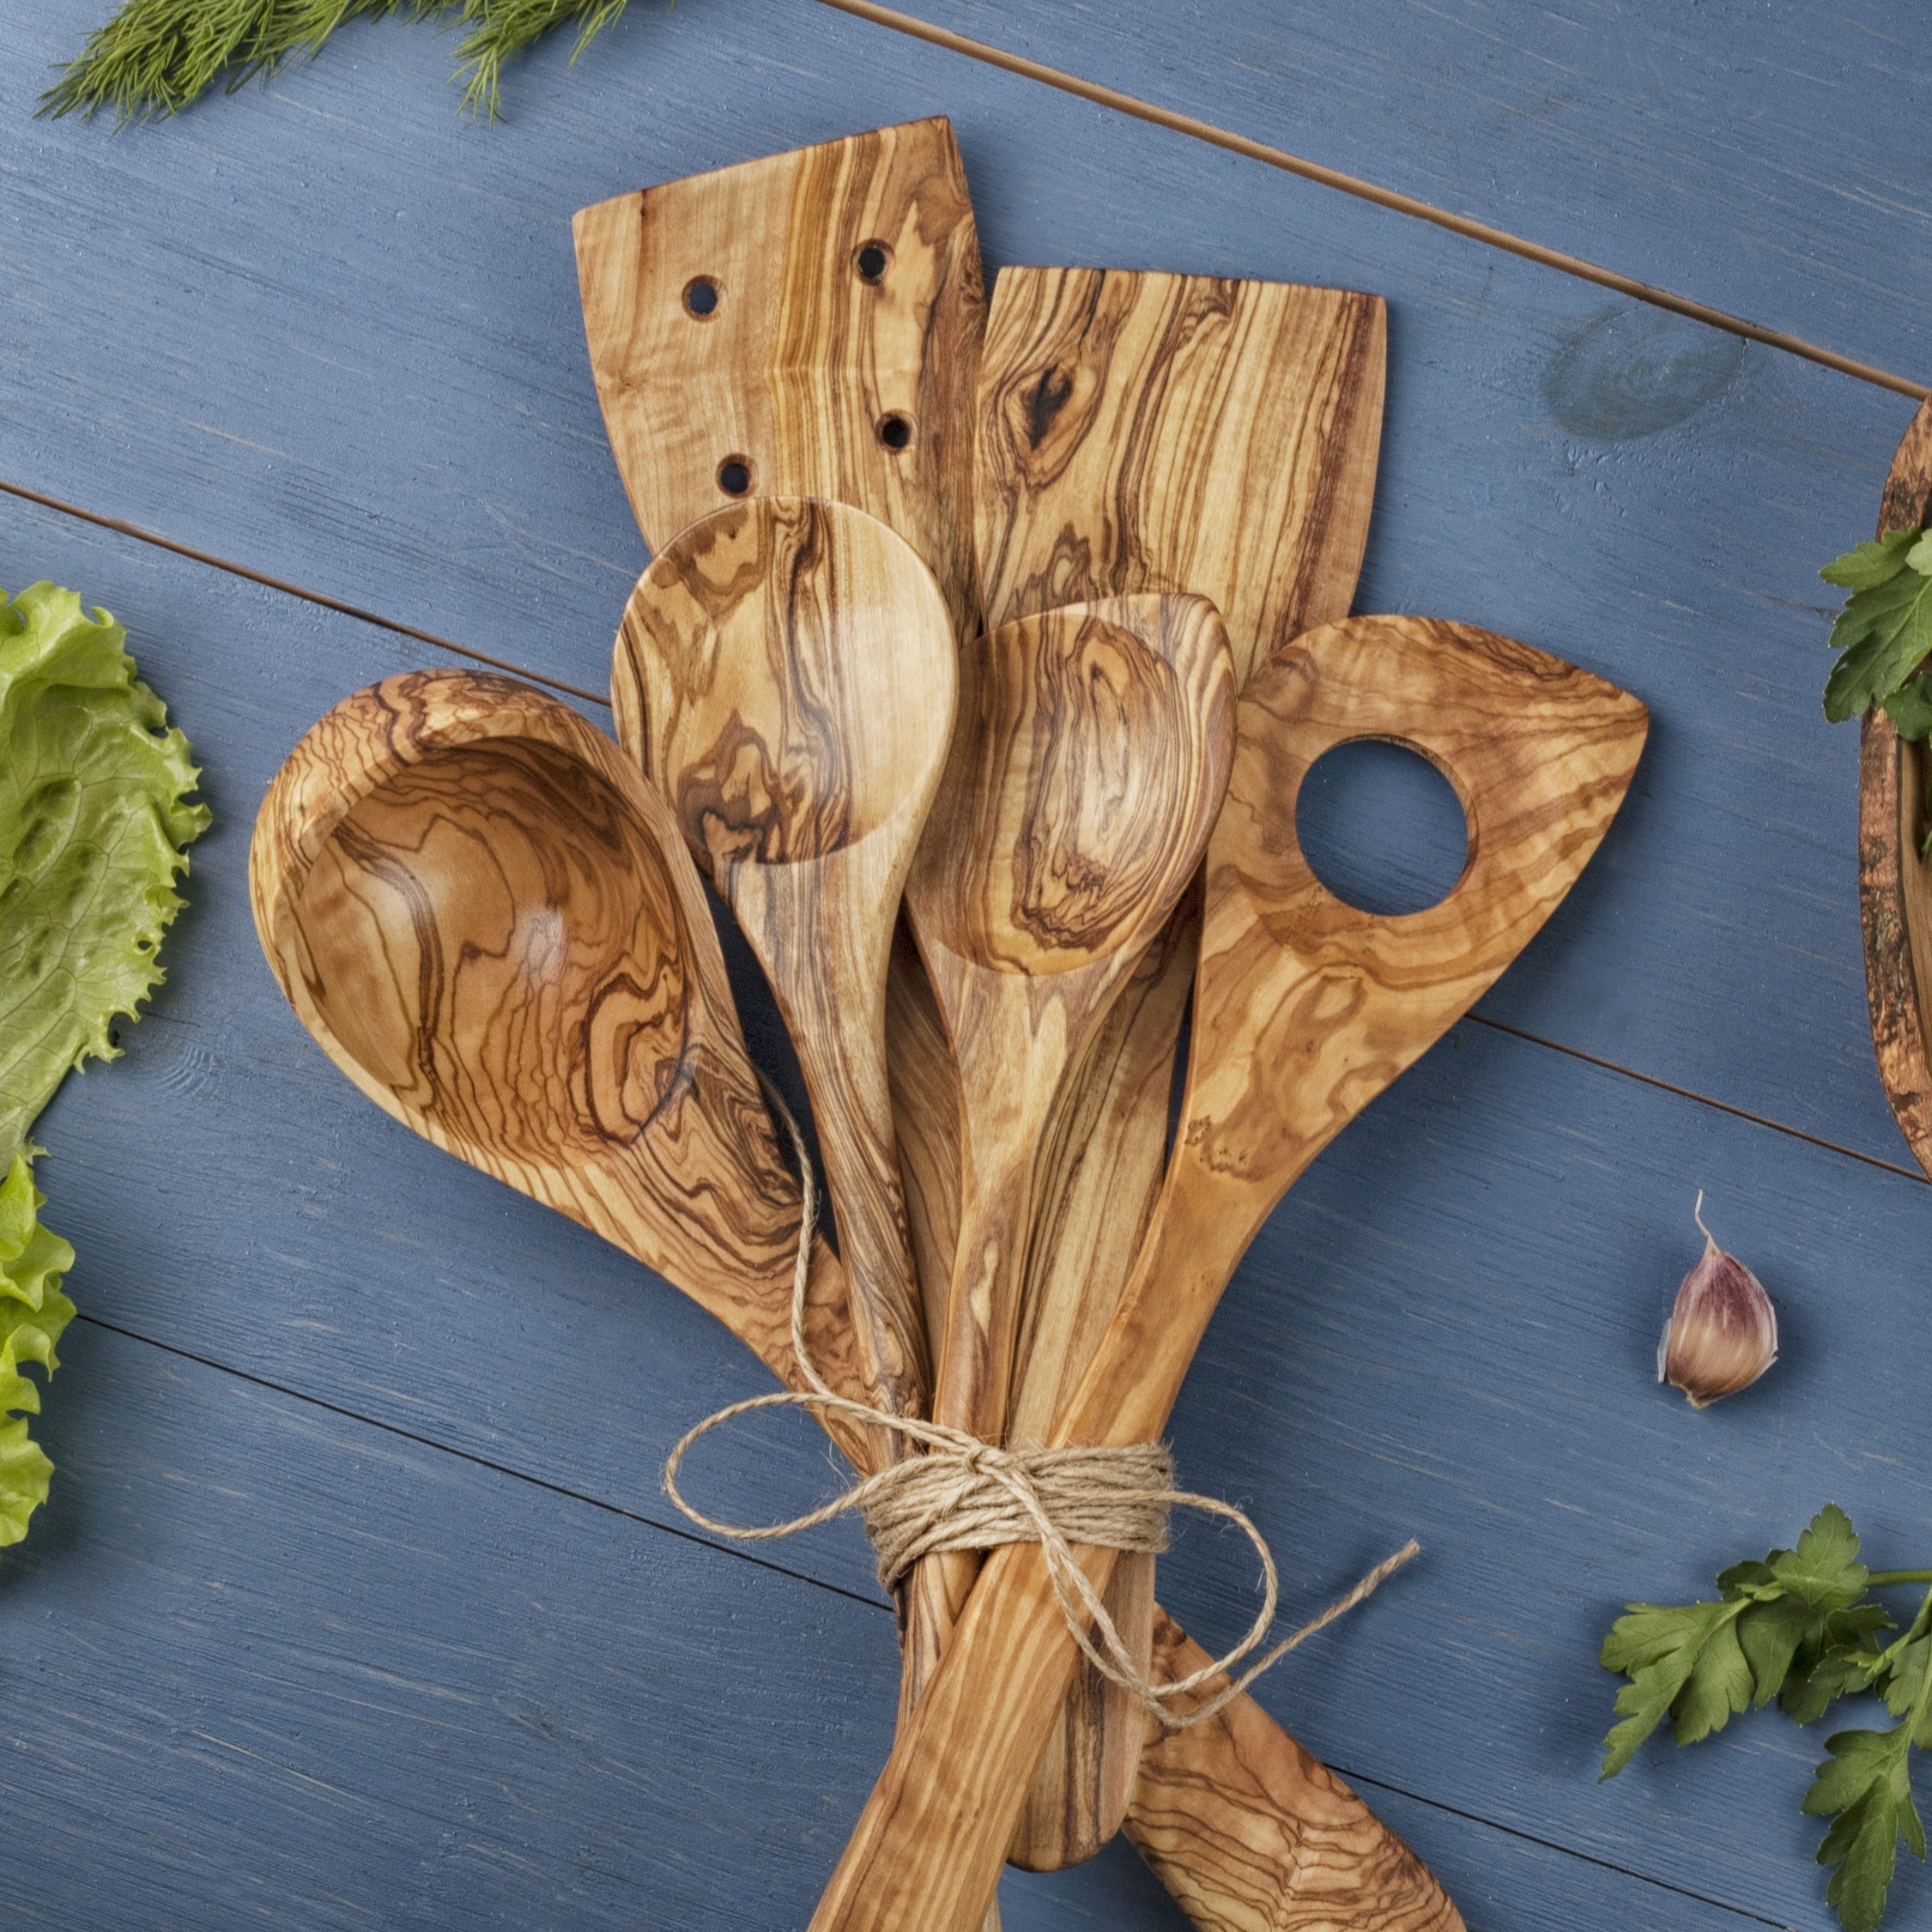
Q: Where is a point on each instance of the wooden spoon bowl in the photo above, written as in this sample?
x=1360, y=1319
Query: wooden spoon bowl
x=487, y=919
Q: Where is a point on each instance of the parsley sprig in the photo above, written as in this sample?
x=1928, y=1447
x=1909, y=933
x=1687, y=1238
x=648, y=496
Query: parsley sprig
x=1803, y=1627
x=1884, y=633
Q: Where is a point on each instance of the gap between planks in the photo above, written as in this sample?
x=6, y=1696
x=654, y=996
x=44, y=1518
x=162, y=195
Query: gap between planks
x=1463, y=224
x=320, y=598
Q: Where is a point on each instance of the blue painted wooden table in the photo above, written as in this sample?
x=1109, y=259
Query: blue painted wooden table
x=357, y=1602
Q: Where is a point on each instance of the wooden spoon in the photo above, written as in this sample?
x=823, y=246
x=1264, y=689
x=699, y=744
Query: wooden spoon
x=489, y=922
x=511, y=792
x=786, y=674
x=1894, y=883
x=1143, y=432
x=1088, y=764
x=1300, y=1002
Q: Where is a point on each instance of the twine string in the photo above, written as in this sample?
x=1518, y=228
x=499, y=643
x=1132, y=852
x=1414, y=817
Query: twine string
x=964, y=1493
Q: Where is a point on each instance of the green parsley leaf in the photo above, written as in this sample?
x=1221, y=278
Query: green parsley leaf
x=1840, y=1663
x=1820, y=1578
x=1865, y=1788
x=1871, y=564
x=1909, y=708
x=1681, y=1659
x=1884, y=633
x=93, y=825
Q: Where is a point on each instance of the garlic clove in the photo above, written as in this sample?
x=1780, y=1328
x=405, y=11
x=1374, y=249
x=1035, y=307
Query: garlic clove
x=1722, y=1331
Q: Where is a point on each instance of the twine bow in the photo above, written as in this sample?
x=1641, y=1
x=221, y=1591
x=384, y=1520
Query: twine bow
x=964, y=1493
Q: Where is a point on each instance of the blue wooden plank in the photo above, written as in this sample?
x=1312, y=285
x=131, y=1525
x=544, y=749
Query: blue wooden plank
x=272, y=1666
x=1465, y=1354
x=331, y=328
x=1764, y=159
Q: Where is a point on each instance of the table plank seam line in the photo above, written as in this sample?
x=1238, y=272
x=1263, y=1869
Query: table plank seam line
x=281, y=584
x=1705, y=1099
x=123, y=527
x=1353, y=1777
x=1389, y=198
x=1345, y=1773
x=479, y=1462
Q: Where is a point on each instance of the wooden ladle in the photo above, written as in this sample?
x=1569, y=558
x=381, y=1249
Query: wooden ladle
x=786, y=674
x=1299, y=1000
x=489, y=922
x=493, y=775
x=1088, y=764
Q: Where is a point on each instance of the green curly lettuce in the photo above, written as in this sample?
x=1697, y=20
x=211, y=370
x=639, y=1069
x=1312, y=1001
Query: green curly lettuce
x=94, y=820
x=33, y=1313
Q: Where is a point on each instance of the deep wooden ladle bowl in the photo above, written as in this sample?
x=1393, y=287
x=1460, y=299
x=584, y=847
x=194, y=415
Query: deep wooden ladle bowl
x=486, y=918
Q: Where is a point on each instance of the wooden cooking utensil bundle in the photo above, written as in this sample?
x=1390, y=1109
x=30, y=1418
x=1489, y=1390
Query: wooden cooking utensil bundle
x=1155, y=490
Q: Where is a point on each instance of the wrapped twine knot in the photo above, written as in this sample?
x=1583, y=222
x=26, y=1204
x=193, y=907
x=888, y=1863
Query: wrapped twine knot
x=964, y=1493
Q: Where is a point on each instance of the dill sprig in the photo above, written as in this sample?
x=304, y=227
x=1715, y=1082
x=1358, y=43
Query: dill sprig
x=155, y=56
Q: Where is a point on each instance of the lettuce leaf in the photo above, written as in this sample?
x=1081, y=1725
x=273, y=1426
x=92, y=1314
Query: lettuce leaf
x=33, y=1313
x=93, y=824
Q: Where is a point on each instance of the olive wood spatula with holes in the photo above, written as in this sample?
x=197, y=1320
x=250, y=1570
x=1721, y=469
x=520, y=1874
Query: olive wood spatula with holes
x=1302, y=1005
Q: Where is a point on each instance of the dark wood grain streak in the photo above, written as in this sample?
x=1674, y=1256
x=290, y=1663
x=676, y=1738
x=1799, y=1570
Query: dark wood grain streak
x=1894, y=893
x=1301, y=1005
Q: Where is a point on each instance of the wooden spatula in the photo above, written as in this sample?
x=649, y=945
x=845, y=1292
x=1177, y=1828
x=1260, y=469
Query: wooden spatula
x=805, y=325
x=1152, y=432
x=1301, y=1003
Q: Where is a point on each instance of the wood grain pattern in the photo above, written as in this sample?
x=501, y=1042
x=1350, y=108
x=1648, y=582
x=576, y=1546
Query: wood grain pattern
x=1142, y=431
x=1894, y=890
x=1087, y=767
x=1299, y=1853
x=1174, y=433
x=836, y=358
x=489, y=920
x=1300, y=1002
x=786, y=674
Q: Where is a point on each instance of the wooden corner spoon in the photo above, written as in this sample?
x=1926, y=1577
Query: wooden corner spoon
x=1141, y=431
x=806, y=324
x=785, y=674
x=1088, y=763
x=1299, y=1002
x=488, y=921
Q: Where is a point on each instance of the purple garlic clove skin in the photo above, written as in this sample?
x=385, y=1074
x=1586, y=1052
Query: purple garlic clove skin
x=1723, y=1332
